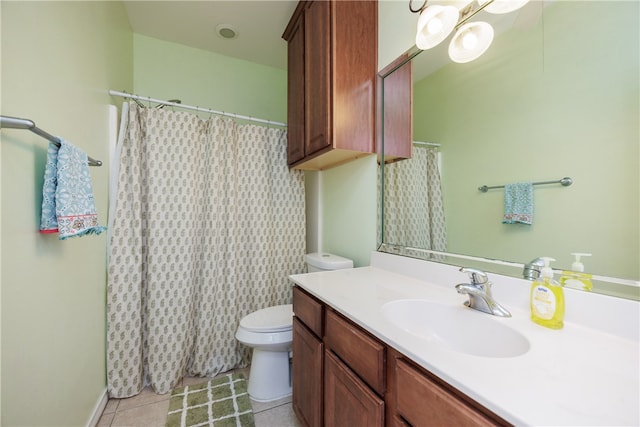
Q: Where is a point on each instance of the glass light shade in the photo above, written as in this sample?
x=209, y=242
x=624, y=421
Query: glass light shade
x=503, y=6
x=434, y=25
x=470, y=42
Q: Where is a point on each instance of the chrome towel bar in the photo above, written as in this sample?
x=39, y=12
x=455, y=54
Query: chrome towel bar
x=566, y=181
x=18, y=123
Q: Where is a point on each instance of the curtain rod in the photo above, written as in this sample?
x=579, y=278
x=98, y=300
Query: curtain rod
x=195, y=108
x=18, y=123
x=426, y=144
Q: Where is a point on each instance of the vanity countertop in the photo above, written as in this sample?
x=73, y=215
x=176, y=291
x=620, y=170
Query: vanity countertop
x=579, y=375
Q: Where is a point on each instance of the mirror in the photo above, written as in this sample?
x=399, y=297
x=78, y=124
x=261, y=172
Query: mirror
x=556, y=95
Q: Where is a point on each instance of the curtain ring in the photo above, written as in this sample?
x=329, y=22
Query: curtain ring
x=137, y=101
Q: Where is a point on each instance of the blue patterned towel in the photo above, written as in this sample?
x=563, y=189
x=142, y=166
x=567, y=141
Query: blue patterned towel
x=518, y=203
x=67, y=196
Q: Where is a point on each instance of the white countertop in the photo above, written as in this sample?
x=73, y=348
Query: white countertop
x=579, y=375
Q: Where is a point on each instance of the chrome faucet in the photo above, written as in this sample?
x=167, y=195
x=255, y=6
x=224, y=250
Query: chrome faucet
x=479, y=292
x=532, y=270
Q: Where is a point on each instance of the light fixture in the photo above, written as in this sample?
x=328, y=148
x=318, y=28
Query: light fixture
x=470, y=41
x=435, y=24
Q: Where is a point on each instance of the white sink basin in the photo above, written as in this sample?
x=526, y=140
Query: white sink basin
x=456, y=327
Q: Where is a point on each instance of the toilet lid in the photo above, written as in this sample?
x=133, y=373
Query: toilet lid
x=270, y=319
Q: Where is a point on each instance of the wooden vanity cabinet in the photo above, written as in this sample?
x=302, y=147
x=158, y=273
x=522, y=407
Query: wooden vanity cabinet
x=332, y=63
x=344, y=376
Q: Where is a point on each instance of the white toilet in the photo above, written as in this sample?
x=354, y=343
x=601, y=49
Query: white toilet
x=269, y=333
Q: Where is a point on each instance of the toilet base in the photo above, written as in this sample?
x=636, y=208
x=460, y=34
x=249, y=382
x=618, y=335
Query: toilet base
x=269, y=376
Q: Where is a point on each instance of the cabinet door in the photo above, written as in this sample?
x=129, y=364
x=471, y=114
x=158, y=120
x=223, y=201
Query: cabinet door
x=354, y=26
x=317, y=75
x=347, y=400
x=295, y=88
x=307, y=375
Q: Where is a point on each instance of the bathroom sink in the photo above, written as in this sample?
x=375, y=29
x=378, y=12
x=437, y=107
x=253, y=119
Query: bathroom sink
x=457, y=328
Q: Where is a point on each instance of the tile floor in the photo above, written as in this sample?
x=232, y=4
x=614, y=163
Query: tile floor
x=149, y=409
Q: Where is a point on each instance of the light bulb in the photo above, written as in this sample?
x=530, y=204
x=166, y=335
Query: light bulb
x=434, y=25
x=469, y=40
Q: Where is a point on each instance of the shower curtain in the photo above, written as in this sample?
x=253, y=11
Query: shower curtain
x=413, y=207
x=208, y=222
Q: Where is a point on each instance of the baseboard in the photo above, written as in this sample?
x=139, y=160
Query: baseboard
x=98, y=409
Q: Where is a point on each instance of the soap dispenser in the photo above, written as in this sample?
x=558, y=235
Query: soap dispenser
x=547, y=299
x=576, y=278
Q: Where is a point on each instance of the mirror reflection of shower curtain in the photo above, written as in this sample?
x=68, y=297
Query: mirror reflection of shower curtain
x=413, y=207
x=208, y=223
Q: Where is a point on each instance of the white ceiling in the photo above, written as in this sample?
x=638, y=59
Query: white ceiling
x=259, y=25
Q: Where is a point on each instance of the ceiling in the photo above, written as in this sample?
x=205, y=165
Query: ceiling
x=259, y=25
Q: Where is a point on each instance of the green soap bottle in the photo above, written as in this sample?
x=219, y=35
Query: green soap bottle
x=576, y=278
x=547, y=299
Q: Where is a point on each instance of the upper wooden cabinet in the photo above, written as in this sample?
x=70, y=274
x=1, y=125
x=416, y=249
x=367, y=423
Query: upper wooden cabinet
x=395, y=111
x=332, y=63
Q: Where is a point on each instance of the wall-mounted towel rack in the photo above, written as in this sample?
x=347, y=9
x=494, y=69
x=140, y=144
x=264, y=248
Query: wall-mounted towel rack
x=566, y=181
x=17, y=123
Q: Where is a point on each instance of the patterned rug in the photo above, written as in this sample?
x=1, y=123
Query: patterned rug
x=221, y=402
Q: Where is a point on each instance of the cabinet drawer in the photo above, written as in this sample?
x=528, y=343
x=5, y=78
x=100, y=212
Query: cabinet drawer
x=361, y=352
x=422, y=401
x=308, y=310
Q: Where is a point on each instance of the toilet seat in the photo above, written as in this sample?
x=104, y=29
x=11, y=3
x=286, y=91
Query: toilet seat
x=270, y=319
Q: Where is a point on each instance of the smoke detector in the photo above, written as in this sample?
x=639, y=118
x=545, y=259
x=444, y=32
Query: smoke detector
x=226, y=31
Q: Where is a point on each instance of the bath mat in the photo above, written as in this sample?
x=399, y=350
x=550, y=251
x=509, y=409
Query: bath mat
x=220, y=402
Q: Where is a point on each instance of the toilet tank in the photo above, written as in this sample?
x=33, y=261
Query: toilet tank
x=322, y=261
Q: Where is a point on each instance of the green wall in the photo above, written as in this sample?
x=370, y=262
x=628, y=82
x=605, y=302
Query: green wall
x=166, y=70
x=58, y=61
x=518, y=111
x=348, y=210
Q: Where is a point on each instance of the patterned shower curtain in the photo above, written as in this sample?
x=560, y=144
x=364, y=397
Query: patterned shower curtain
x=413, y=207
x=208, y=222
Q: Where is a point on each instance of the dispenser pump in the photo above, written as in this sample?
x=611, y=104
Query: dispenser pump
x=546, y=270
x=577, y=265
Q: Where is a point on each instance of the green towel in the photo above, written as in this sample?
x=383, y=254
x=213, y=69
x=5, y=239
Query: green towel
x=518, y=203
